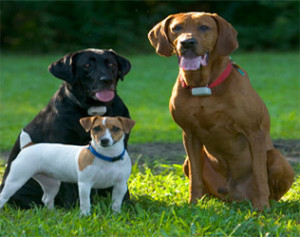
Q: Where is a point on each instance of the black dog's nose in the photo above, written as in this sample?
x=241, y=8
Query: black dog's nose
x=188, y=42
x=104, y=142
x=106, y=79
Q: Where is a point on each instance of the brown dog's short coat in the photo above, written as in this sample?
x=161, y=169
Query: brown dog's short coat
x=226, y=134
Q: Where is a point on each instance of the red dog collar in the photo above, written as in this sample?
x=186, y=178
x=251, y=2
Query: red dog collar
x=217, y=82
x=223, y=76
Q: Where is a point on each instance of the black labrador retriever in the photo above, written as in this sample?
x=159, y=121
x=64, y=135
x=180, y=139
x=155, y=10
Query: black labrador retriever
x=89, y=88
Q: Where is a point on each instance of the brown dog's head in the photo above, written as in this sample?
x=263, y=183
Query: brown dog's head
x=106, y=131
x=193, y=36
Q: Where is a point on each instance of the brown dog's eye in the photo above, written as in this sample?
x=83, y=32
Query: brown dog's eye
x=115, y=129
x=177, y=28
x=97, y=129
x=203, y=28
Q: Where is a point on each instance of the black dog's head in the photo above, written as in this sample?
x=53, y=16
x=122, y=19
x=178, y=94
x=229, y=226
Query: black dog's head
x=92, y=72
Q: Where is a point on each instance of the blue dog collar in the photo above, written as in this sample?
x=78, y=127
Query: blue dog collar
x=106, y=158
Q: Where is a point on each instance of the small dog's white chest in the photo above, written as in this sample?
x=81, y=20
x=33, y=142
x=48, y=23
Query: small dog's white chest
x=105, y=174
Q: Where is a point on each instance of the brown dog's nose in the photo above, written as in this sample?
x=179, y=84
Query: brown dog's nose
x=188, y=43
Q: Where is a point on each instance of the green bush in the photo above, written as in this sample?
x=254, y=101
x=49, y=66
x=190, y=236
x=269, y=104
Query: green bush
x=47, y=26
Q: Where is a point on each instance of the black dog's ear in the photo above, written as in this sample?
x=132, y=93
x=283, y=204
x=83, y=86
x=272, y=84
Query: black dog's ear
x=123, y=63
x=63, y=68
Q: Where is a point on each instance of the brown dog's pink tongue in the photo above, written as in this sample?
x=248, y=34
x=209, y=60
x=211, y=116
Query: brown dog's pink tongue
x=105, y=96
x=190, y=63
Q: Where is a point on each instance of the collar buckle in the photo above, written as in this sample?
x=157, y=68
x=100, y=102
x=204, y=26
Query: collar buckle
x=201, y=91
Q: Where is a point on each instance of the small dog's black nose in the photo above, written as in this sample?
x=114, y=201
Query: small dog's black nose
x=104, y=142
x=188, y=43
x=106, y=79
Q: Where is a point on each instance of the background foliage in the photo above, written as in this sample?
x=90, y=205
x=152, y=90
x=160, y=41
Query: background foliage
x=47, y=26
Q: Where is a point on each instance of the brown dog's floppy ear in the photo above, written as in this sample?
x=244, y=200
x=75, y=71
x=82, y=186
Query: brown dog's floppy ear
x=126, y=123
x=123, y=64
x=158, y=38
x=63, y=68
x=87, y=122
x=227, y=36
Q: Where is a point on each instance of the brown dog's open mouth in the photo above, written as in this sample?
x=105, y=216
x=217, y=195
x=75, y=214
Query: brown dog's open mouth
x=194, y=63
x=105, y=96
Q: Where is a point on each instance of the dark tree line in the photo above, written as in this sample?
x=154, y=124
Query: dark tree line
x=47, y=26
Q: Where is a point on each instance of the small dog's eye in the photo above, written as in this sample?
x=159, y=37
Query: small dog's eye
x=177, y=28
x=97, y=129
x=203, y=28
x=115, y=129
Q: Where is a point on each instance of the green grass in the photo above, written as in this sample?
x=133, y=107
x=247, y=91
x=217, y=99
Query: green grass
x=159, y=191
x=160, y=209
x=26, y=87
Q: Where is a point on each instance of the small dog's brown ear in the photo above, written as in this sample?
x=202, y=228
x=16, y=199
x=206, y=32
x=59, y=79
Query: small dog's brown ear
x=87, y=122
x=126, y=123
x=227, y=36
x=158, y=37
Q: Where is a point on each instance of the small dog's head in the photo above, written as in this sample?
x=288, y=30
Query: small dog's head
x=92, y=73
x=107, y=131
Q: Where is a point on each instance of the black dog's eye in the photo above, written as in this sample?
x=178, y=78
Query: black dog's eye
x=111, y=65
x=177, y=28
x=115, y=129
x=203, y=28
x=87, y=65
x=97, y=129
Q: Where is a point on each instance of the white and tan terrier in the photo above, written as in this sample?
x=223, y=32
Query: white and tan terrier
x=102, y=164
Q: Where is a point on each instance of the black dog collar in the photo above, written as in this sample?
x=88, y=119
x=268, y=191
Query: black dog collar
x=93, y=110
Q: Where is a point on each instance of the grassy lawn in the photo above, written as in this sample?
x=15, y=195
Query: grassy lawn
x=159, y=193
x=160, y=209
x=27, y=86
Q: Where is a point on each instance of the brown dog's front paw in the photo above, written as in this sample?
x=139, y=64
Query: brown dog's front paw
x=194, y=198
x=261, y=205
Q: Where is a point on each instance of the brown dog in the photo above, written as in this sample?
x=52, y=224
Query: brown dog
x=225, y=123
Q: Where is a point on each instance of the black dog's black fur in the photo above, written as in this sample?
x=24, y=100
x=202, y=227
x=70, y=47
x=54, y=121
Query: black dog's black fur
x=84, y=73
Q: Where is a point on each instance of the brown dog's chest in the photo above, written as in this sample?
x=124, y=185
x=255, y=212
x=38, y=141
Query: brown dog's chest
x=216, y=120
x=195, y=112
x=228, y=110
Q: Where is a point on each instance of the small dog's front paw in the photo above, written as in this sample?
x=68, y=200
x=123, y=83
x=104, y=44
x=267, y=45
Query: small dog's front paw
x=116, y=208
x=85, y=212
